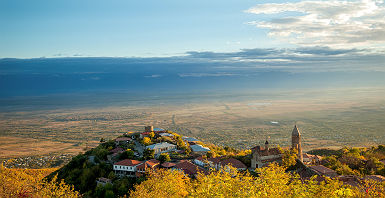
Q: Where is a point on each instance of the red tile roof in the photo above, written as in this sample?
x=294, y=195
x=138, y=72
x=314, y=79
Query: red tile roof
x=265, y=152
x=190, y=168
x=233, y=162
x=168, y=164
x=128, y=162
x=152, y=162
x=149, y=164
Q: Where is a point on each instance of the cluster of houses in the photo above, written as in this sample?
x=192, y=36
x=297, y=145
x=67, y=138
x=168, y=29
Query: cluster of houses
x=135, y=168
x=260, y=157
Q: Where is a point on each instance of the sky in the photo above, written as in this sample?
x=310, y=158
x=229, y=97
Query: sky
x=153, y=28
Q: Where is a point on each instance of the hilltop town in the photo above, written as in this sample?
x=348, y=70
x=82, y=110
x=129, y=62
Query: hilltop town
x=125, y=160
x=160, y=148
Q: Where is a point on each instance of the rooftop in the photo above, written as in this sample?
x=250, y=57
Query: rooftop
x=189, y=168
x=160, y=145
x=199, y=148
x=190, y=139
x=149, y=164
x=233, y=162
x=295, y=131
x=266, y=152
x=128, y=162
x=168, y=164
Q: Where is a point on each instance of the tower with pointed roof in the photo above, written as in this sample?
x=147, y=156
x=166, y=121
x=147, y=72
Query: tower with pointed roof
x=267, y=145
x=296, y=141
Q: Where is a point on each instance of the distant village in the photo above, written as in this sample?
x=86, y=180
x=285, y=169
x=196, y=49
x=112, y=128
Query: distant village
x=42, y=161
x=164, y=154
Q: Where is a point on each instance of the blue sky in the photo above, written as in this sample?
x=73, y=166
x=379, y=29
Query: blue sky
x=126, y=28
x=153, y=28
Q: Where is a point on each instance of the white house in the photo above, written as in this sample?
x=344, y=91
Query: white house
x=126, y=167
x=162, y=147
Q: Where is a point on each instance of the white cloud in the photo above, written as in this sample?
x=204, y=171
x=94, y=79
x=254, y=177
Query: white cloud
x=154, y=76
x=206, y=75
x=332, y=23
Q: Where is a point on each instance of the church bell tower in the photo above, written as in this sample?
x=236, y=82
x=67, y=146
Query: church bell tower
x=296, y=141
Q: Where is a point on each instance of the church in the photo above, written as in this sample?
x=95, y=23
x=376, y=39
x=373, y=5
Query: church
x=265, y=155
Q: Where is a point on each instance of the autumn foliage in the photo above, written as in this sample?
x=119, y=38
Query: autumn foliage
x=272, y=181
x=30, y=183
x=163, y=183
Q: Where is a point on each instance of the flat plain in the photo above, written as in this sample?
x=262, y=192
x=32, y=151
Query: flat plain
x=327, y=119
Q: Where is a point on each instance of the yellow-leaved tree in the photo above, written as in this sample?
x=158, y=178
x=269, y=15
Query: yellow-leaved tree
x=163, y=183
x=30, y=183
x=272, y=181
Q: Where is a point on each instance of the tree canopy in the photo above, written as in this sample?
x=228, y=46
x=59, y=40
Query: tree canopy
x=273, y=181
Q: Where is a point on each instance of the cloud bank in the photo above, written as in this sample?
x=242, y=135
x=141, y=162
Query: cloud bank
x=211, y=64
x=302, y=59
x=333, y=23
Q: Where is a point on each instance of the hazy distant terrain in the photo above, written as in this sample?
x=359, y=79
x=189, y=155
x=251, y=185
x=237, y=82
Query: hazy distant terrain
x=357, y=118
x=66, y=105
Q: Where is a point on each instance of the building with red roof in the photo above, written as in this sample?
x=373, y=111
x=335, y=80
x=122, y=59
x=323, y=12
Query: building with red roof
x=126, y=167
x=311, y=159
x=168, y=165
x=148, y=165
x=234, y=163
x=189, y=168
x=221, y=162
x=122, y=140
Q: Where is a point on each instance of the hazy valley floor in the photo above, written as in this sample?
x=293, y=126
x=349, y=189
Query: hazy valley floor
x=327, y=118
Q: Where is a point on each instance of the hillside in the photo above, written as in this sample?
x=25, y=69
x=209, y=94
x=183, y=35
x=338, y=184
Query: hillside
x=84, y=171
x=126, y=166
